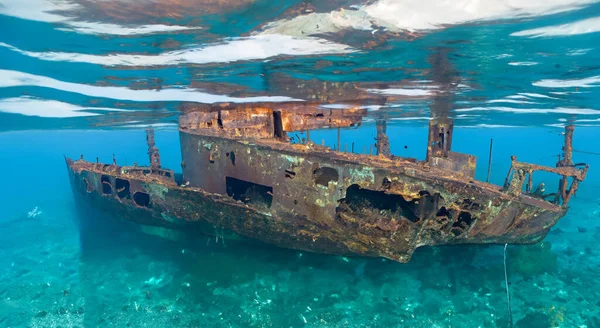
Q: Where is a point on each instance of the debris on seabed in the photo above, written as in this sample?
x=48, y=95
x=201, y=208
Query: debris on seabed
x=303, y=318
x=153, y=281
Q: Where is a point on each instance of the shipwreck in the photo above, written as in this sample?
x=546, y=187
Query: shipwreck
x=242, y=173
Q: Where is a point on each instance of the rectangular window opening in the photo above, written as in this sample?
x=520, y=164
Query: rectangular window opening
x=106, y=185
x=278, y=125
x=249, y=193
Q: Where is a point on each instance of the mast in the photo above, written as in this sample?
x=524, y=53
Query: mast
x=564, y=192
x=567, y=159
x=152, y=150
x=383, y=142
x=441, y=126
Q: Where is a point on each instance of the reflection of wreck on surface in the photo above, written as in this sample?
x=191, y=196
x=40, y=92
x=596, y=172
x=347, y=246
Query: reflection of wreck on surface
x=240, y=172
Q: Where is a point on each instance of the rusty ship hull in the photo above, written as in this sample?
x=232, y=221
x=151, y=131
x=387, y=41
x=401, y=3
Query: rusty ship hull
x=310, y=197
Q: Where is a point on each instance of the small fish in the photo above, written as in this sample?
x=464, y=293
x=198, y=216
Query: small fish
x=582, y=230
x=34, y=213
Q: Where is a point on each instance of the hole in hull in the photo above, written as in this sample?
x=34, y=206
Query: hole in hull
x=88, y=187
x=141, y=199
x=359, y=199
x=248, y=192
x=463, y=222
x=324, y=175
x=106, y=186
x=232, y=158
x=386, y=184
x=122, y=187
x=442, y=212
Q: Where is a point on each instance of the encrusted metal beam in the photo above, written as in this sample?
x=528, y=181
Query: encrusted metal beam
x=153, y=152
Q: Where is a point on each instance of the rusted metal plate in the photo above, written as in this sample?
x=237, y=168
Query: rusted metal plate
x=463, y=164
x=319, y=118
x=440, y=138
x=258, y=120
x=200, y=120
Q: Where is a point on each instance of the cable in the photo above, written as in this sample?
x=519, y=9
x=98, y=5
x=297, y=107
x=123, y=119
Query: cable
x=510, y=318
x=585, y=152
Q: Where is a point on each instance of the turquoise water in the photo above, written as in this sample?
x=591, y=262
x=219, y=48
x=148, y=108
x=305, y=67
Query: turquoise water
x=67, y=92
x=121, y=277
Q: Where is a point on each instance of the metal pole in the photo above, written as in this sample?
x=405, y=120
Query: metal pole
x=490, y=162
x=152, y=150
x=568, y=147
x=338, y=140
x=510, y=317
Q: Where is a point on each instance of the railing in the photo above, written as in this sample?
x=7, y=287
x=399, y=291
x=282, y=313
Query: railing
x=521, y=173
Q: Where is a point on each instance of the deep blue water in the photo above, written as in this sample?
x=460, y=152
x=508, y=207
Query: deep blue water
x=71, y=92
